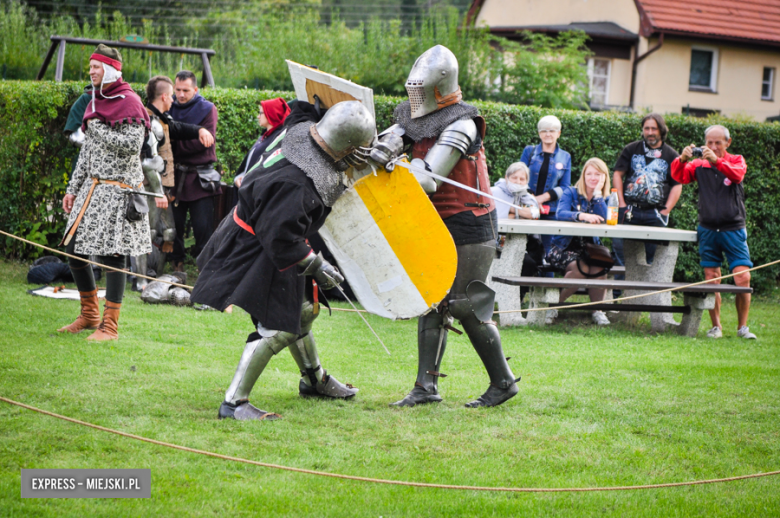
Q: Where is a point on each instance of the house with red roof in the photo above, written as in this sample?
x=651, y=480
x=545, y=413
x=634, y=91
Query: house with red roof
x=669, y=56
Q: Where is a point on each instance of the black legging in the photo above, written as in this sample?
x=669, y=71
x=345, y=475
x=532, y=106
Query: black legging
x=85, y=280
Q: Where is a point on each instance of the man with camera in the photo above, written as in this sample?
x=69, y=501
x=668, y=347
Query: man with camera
x=647, y=193
x=721, y=217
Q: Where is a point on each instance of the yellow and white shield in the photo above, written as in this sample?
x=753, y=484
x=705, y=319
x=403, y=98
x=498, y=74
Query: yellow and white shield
x=392, y=245
x=384, y=232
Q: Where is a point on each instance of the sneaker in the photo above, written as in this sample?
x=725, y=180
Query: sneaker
x=744, y=332
x=715, y=332
x=552, y=314
x=600, y=319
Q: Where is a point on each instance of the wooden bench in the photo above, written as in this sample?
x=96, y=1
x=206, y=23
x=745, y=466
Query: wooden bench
x=545, y=293
x=612, y=271
x=584, y=291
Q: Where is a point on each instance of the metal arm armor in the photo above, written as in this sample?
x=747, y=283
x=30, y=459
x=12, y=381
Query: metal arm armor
x=450, y=147
x=154, y=163
x=77, y=137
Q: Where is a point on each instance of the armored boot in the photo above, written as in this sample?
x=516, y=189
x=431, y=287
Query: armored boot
x=475, y=312
x=431, y=342
x=486, y=341
x=107, y=330
x=89, y=318
x=260, y=348
x=315, y=381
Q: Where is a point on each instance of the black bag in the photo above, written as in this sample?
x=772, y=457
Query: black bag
x=136, y=206
x=48, y=270
x=209, y=178
x=595, y=255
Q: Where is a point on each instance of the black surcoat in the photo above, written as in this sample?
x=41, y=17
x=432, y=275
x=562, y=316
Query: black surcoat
x=258, y=272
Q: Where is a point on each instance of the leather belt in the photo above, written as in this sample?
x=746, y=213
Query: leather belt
x=76, y=223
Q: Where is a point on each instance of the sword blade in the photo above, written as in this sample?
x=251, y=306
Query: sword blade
x=359, y=314
x=146, y=193
x=444, y=179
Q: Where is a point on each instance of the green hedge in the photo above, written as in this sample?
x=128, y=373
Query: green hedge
x=35, y=158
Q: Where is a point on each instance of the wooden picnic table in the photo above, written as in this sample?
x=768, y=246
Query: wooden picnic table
x=661, y=271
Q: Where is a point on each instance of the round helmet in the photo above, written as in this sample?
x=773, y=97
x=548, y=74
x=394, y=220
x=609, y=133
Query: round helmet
x=433, y=77
x=346, y=132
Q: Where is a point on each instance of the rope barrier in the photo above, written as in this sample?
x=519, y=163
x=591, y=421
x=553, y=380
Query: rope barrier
x=55, y=251
x=385, y=481
x=529, y=310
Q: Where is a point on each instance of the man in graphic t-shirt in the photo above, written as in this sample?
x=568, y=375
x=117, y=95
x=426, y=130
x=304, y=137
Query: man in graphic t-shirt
x=645, y=187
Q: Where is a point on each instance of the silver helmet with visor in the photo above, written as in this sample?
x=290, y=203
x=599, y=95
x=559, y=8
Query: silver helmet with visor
x=433, y=81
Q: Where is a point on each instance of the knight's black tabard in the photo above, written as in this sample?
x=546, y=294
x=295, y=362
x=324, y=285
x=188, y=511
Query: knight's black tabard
x=258, y=272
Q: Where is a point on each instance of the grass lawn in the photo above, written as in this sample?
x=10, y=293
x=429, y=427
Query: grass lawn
x=597, y=407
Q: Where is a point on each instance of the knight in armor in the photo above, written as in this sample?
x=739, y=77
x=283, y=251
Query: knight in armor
x=445, y=136
x=157, y=162
x=259, y=258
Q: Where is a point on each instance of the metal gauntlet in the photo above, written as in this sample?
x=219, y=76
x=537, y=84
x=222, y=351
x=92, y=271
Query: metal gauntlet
x=390, y=145
x=326, y=274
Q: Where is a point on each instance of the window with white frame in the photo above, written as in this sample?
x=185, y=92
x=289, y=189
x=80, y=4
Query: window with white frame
x=704, y=69
x=768, y=84
x=598, y=73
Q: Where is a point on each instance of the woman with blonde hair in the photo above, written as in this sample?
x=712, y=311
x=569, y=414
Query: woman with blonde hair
x=584, y=202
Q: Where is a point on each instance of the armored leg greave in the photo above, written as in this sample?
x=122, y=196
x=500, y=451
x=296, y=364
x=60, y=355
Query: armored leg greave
x=315, y=380
x=431, y=342
x=472, y=303
x=141, y=266
x=486, y=341
x=304, y=351
x=257, y=354
x=307, y=359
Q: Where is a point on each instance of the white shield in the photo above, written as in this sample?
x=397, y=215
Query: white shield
x=392, y=245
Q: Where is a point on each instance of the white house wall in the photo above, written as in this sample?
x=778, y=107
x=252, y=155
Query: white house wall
x=504, y=13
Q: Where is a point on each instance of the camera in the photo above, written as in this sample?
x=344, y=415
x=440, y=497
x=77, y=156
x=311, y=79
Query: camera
x=696, y=152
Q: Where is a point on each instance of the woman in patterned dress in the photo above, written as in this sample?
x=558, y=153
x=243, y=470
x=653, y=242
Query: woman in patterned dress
x=109, y=166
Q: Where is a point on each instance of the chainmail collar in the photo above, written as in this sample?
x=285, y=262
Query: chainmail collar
x=301, y=150
x=431, y=125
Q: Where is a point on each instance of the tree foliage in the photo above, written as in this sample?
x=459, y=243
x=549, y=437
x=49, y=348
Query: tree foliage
x=545, y=71
x=253, y=40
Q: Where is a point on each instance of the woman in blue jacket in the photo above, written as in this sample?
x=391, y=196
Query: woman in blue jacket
x=550, y=168
x=583, y=202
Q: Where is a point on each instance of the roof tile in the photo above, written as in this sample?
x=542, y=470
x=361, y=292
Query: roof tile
x=757, y=20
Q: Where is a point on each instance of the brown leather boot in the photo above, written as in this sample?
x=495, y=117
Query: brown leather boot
x=90, y=314
x=107, y=328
